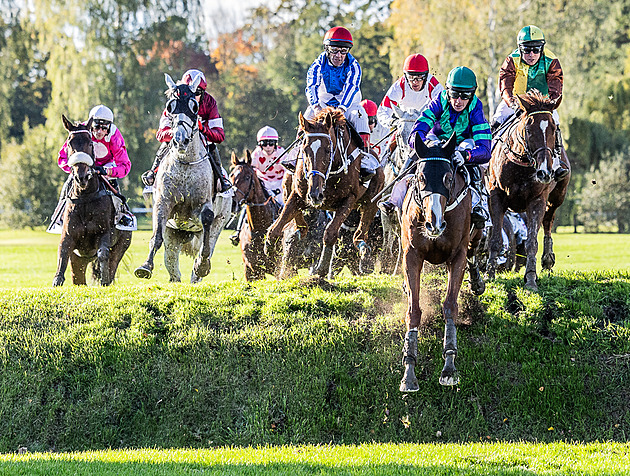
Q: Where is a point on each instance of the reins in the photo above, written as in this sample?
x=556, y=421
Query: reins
x=526, y=158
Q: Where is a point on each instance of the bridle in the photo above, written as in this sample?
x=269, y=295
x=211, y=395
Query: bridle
x=250, y=188
x=451, y=190
x=527, y=158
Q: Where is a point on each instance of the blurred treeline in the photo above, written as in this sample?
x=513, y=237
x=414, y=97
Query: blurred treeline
x=63, y=57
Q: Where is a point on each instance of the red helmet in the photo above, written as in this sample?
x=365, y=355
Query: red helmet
x=370, y=107
x=416, y=64
x=338, y=36
x=190, y=75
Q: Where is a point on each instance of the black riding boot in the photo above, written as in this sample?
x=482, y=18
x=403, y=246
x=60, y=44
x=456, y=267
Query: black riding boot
x=478, y=215
x=235, y=237
x=148, y=178
x=561, y=171
x=215, y=162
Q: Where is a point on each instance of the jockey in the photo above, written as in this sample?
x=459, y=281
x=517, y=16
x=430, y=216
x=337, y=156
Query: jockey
x=265, y=152
x=210, y=128
x=334, y=79
x=458, y=110
x=412, y=92
x=531, y=66
x=110, y=160
x=377, y=131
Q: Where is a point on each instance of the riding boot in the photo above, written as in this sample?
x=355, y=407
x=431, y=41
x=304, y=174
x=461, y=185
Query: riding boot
x=478, y=215
x=560, y=170
x=234, y=237
x=56, y=220
x=148, y=178
x=215, y=162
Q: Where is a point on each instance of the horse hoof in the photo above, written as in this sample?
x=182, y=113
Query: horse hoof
x=478, y=287
x=548, y=262
x=449, y=380
x=143, y=272
x=57, y=282
x=408, y=386
x=201, y=268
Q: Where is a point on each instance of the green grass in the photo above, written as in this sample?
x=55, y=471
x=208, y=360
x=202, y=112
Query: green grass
x=600, y=459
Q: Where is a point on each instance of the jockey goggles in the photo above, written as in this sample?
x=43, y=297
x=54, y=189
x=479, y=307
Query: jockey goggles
x=465, y=95
x=101, y=124
x=416, y=77
x=336, y=51
x=531, y=49
x=371, y=120
x=266, y=142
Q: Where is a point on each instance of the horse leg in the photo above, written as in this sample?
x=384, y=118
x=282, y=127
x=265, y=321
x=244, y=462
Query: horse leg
x=450, y=310
x=534, y=217
x=366, y=260
x=103, y=256
x=412, y=269
x=117, y=252
x=292, y=207
x=63, y=254
x=202, y=265
x=498, y=206
x=172, y=249
x=145, y=270
x=331, y=234
x=78, y=267
x=477, y=285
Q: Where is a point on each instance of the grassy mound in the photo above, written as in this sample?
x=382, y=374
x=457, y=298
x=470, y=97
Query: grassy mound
x=307, y=361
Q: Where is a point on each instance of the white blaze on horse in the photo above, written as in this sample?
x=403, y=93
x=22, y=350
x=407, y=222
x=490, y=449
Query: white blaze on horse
x=188, y=214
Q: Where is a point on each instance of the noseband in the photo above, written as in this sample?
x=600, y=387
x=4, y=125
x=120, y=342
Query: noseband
x=314, y=172
x=527, y=158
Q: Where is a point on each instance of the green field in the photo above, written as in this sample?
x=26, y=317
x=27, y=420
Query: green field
x=28, y=259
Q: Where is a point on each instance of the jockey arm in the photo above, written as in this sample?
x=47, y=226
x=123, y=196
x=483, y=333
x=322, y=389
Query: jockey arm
x=313, y=78
x=210, y=121
x=507, y=77
x=352, y=86
x=385, y=113
x=62, y=159
x=118, y=150
x=555, y=80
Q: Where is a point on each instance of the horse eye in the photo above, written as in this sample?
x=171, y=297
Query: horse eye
x=171, y=105
x=193, y=105
x=448, y=179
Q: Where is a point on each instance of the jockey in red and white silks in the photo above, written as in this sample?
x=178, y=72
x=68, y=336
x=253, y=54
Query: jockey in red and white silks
x=266, y=152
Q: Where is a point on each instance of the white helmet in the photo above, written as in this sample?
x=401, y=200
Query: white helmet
x=267, y=133
x=102, y=113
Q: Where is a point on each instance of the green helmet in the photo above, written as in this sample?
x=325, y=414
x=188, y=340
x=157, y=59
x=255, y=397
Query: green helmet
x=530, y=35
x=461, y=79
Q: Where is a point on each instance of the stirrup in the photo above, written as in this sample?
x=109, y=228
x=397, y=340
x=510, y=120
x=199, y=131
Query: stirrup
x=148, y=178
x=235, y=239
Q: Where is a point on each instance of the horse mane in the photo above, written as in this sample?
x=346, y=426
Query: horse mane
x=537, y=101
x=336, y=114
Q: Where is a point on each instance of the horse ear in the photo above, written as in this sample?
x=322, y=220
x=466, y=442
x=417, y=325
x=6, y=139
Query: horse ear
x=450, y=145
x=556, y=102
x=302, y=121
x=89, y=123
x=248, y=154
x=169, y=81
x=234, y=159
x=66, y=123
x=419, y=146
x=328, y=122
x=522, y=102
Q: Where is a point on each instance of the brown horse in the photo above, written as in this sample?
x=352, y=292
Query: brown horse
x=261, y=209
x=520, y=178
x=89, y=231
x=328, y=178
x=436, y=227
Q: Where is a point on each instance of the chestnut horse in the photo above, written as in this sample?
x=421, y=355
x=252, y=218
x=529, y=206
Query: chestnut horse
x=436, y=227
x=89, y=232
x=521, y=178
x=261, y=209
x=327, y=178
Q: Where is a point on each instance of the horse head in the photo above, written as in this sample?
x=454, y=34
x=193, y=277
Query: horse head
x=435, y=178
x=243, y=177
x=317, y=153
x=80, y=149
x=183, y=109
x=538, y=130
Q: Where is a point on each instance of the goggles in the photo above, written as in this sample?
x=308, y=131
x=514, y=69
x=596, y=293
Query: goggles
x=337, y=51
x=465, y=95
x=371, y=120
x=531, y=49
x=267, y=142
x=101, y=124
x=416, y=77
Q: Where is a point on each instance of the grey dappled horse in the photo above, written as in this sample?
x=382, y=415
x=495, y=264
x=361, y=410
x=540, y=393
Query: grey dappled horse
x=186, y=217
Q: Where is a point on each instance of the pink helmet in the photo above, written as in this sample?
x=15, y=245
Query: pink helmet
x=190, y=75
x=338, y=36
x=416, y=64
x=267, y=133
x=370, y=107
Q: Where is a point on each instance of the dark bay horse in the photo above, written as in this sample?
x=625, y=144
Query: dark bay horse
x=261, y=210
x=89, y=232
x=436, y=227
x=521, y=178
x=187, y=214
x=327, y=178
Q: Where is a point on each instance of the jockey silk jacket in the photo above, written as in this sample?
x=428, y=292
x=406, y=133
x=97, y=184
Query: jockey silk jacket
x=210, y=122
x=111, y=153
x=441, y=119
x=327, y=85
x=272, y=179
x=401, y=95
x=517, y=77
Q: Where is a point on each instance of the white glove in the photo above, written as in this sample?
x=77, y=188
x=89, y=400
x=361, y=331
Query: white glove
x=458, y=159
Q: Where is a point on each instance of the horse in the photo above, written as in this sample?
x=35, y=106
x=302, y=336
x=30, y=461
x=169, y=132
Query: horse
x=186, y=214
x=328, y=178
x=88, y=232
x=262, y=209
x=436, y=227
x=520, y=178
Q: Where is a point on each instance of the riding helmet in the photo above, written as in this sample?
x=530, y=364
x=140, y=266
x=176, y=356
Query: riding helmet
x=370, y=107
x=102, y=114
x=338, y=36
x=461, y=79
x=530, y=35
x=267, y=133
x=190, y=76
x=416, y=64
